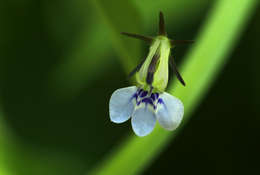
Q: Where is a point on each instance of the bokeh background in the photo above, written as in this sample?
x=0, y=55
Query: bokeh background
x=61, y=60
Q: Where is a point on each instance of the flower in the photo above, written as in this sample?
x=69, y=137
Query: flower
x=148, y=102
x=144, y=108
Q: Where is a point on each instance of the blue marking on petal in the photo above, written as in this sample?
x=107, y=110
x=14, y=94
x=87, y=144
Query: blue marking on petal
x=134, y=96
x=153, y=97
x=139, y=91
x=143, y=94
x=156, y=95
x=147, y=100
x=160, y=101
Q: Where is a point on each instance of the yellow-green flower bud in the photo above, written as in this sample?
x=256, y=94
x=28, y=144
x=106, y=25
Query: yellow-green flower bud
x=154, y=71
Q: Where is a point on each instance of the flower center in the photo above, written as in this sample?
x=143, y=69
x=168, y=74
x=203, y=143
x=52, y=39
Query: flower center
x=144, y=97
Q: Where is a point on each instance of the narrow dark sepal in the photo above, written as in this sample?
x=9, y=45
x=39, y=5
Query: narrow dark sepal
x=174, y=67
x=179, y=42
x=149, y=78
x=147, y=39
x=162, y=30
x=152, y=66
x=136, y=69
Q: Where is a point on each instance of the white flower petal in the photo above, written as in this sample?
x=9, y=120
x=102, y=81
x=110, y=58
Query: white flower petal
x=121, y=104
x=169, y=113
x=143, y=120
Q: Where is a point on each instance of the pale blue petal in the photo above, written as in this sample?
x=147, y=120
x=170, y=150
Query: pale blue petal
x=170, y=112
x=143, y=120
x=121, y=104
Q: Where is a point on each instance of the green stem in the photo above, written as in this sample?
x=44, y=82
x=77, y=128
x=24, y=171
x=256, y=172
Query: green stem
x=215, y=42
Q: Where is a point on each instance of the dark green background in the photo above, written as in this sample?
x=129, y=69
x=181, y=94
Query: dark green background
x=63, y=132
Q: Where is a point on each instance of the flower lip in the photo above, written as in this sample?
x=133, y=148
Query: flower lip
x=120, y=104
x=144, y=108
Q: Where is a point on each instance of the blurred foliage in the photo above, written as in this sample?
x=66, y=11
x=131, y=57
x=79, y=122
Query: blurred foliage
x=61, y=60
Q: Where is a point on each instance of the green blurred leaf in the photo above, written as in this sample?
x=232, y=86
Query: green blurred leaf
x=181, y=12
x=215, y=42
x=91, y=55
x=20, y=158
x=83, y=64
x=121, y=16
x=4, y=143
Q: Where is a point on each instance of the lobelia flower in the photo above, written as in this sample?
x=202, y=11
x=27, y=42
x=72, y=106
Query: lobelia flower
x=148, y=103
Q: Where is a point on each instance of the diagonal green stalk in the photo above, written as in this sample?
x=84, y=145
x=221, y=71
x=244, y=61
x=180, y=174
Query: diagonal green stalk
x=90, y=56
x=4, y=140
x=109, y=13
x=216, y=40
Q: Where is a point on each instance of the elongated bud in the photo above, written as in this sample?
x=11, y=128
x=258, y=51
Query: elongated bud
x=154, y=71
